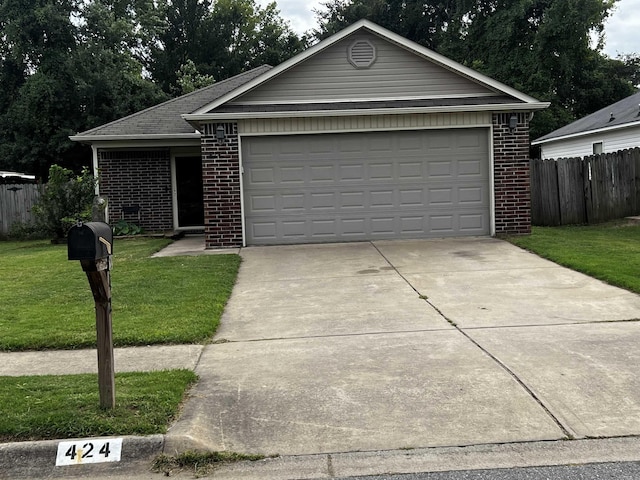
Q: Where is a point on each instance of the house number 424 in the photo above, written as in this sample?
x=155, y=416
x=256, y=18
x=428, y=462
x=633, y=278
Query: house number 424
x=79, y=452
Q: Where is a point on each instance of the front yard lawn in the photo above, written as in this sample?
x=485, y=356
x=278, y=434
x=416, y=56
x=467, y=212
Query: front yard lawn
x=52, y=407
x=609, y=252
x=46, y=302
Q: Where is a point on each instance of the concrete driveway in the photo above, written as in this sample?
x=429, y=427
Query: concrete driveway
x=408, y=344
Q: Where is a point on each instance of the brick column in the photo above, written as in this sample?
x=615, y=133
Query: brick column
x=221, y=185
x=511, y=174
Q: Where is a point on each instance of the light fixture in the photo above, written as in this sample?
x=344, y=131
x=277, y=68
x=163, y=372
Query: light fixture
x=513, y=122
x=220, y=133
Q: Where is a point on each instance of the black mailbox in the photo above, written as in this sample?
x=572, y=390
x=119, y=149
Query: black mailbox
x=90, y=241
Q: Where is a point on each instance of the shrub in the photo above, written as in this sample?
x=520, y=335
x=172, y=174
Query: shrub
x=66, y=200
x=25, y=231
x=122, y=227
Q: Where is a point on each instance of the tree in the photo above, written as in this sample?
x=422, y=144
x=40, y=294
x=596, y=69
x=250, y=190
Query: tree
x=541, y=47
x=109, y=62
x=220, y=39
x=35, y=47
x=61, y=76
x=189, y=80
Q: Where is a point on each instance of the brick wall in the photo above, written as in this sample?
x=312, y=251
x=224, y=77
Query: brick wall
x=221, y=184
x=136, y=177
x=511, y=174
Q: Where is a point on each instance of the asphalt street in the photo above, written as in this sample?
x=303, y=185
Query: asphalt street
x=598, y=471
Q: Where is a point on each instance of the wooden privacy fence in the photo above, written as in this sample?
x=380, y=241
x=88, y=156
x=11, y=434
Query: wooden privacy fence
x=16, y=202
x=592, y=189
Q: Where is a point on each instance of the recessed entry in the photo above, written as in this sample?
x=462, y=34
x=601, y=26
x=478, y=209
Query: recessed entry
x=362, y=54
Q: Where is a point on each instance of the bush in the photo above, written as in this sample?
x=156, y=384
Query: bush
x=66, y=200
x=122, y=227
x=25, y=231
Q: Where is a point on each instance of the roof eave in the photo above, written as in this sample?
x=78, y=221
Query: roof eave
x=586, y=132
x=106, y=138
x=196, y=119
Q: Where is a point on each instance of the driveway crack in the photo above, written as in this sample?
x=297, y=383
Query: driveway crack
x=563, y=428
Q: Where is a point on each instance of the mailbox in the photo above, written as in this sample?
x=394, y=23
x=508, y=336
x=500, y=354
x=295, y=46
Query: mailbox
x=90, y=241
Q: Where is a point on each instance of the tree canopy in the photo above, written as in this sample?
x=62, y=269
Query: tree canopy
x=70, y=65
x=549, y=49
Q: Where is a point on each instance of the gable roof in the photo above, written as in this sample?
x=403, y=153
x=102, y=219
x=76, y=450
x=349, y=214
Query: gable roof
x=519, y=100
x=164, y=120
x=625, y=113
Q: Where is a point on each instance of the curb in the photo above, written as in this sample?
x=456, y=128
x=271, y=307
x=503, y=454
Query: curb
x=38, y=459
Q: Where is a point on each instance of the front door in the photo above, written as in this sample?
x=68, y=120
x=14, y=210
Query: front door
x=189, y=192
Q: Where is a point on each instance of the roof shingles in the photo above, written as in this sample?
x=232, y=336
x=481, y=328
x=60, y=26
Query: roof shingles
x=624, y=112
x=165, y=119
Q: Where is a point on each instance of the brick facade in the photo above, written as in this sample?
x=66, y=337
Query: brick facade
x=221, y=185
x=512, y=184
x=137, y=177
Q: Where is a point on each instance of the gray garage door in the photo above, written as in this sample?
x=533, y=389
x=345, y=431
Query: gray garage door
x=366, y=186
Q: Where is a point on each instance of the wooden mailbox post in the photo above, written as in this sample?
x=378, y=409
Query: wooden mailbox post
x=92, y=244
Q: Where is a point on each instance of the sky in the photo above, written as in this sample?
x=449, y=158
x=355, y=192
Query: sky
x=622, y=29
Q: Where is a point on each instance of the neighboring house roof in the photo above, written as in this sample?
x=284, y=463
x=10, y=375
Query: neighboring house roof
x=164, y=120
x=622, y=114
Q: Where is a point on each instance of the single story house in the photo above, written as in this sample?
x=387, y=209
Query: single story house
x=613, y=128
x=363, y=136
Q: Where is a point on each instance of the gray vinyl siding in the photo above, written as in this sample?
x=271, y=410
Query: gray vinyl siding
x=396, y=74
x=295, y=125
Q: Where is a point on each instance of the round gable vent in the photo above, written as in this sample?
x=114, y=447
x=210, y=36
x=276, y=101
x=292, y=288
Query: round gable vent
x=362, y=54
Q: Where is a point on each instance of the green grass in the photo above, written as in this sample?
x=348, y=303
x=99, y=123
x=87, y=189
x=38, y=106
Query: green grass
x=609, y=252
x=52, y=407
x=199, y=463
x=46, y=302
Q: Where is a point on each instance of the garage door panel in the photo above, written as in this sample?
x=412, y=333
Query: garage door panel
x=410, y=170
x=367, y=199
x=440, y=169
x=263, y=204
x=322, y=174
x=382, y=198
x=292, y=175
x=322, y=201
x=292, y=202
x=440, y=197
x=385, y=226
x=411, y=197
x=470, y=195
x=365, y=186
x=442, y=224
x=381, y=172
x=262, y=176
x=412, y=225
x=352, y=173
x=472, y=223
x=469, y=168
